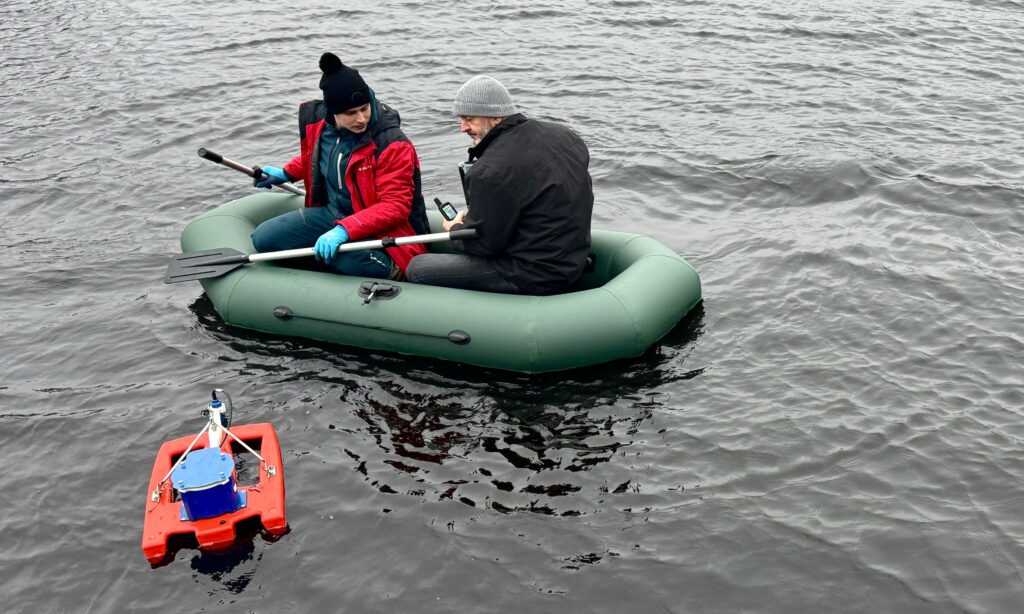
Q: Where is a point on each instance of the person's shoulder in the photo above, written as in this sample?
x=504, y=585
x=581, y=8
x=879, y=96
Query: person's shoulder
x=389, y=111
x=541, y=127
x=312, y=110
x=388, y=125
x=561, y=133
x=552, y=126
x=388, y=136
x=533, y=131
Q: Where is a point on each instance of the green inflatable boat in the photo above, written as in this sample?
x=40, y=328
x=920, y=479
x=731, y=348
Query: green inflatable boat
x=637, y=291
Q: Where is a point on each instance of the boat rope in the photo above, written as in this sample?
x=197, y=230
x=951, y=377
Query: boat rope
x=287, y=314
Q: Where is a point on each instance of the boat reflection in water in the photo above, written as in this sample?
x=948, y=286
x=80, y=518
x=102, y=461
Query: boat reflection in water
x=523, y=443
x=485, y=438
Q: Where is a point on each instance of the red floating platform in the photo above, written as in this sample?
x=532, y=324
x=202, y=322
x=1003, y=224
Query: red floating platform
x=165, y=518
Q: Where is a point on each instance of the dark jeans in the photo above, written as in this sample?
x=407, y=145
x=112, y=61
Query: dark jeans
x=301, y=228
x=458, y=271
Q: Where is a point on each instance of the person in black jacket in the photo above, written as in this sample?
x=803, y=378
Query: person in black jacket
x=529, y=196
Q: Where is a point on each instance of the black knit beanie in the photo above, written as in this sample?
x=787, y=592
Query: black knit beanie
x=343, y=88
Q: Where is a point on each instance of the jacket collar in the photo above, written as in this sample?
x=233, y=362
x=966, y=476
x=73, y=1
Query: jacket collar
x=506, y=124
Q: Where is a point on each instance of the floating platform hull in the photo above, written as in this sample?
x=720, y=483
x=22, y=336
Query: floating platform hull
x=264, y=500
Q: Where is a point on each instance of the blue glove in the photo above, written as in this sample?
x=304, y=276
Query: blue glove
x=274, y=176
x=327, y=245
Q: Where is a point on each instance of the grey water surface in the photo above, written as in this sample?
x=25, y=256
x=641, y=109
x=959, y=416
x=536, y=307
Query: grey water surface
x=837, y=428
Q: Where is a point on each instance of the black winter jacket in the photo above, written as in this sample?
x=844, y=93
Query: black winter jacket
x=530, y=198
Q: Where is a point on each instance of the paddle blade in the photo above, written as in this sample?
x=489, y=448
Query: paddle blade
x=194, y=266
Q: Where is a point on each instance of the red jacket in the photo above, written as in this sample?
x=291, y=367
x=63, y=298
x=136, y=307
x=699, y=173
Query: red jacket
x=382, y=176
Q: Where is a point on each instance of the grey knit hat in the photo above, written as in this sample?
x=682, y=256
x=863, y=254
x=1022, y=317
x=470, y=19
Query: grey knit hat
x=483, y=97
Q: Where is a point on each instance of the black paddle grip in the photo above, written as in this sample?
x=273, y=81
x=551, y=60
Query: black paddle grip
x=464, y=233
x=211, y=156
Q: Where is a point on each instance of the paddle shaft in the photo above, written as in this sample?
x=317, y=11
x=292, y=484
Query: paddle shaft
x=196, y=266
x=206, y=154
x=437, y=237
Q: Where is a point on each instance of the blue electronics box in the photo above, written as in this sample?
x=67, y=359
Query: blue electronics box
x=206, y=483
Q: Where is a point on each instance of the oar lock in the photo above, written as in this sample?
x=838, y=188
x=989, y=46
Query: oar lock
x=377, y=291
x=368, y=291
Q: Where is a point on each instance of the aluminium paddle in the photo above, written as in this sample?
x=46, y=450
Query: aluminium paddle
x=194, y=266
x=251, y=171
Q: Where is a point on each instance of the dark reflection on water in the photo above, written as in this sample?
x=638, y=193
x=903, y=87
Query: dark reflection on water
x=233, y=569
x=509, y=450
x=512, y=442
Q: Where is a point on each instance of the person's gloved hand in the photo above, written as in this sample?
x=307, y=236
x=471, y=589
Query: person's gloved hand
x=327, y=245
x=274, y=176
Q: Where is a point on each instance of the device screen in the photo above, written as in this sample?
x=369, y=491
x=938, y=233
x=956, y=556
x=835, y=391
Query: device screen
x=447, y=209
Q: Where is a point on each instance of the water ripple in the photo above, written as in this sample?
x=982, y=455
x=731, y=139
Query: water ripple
x=840, y=414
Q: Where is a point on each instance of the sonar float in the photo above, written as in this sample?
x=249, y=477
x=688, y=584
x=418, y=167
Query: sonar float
x=194, y=489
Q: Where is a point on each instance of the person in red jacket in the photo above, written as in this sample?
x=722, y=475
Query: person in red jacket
x=362, y=180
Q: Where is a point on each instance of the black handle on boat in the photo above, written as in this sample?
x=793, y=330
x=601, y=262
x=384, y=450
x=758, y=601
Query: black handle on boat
x=213, y=156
